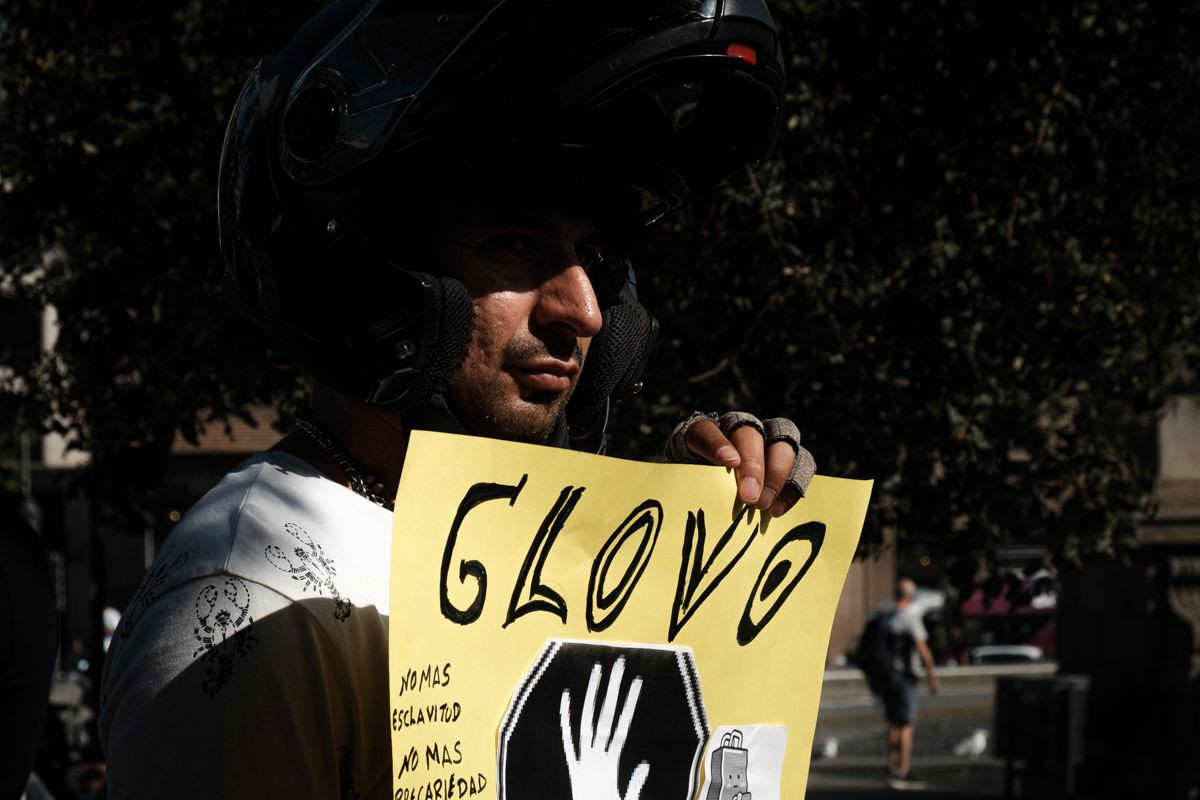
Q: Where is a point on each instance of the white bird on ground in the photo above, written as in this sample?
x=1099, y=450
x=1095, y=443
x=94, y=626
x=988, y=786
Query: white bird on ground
x=829, y=748
x=973, y=746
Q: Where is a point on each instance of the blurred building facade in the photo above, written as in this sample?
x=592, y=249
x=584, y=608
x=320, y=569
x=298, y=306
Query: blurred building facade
x=1134, y=628
x=96, y=565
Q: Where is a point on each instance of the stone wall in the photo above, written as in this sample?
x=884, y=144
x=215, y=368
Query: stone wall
x=1134, y=627
x=869, y=583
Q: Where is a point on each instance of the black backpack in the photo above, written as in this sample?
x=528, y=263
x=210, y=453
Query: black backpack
x=876, y=653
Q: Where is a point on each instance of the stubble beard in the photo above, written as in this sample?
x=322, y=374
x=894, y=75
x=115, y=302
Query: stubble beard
x=531, y=417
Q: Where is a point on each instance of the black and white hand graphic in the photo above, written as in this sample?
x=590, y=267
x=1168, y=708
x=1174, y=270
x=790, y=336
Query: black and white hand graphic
x=593, y=764
x=604, y=721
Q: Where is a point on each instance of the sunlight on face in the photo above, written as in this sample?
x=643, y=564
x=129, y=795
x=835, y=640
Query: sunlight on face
x=525, y=263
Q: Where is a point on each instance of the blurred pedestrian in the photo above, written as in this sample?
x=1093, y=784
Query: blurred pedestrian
x=891, y=643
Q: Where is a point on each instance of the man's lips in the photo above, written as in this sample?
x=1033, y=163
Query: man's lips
x=549, y=375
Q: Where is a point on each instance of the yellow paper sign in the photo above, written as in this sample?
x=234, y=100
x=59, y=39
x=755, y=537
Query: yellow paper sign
x=571, y=626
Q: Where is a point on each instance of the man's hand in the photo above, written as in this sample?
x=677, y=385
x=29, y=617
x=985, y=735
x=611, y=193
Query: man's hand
x=594, y=770
x=926, y=655
x=772, y=469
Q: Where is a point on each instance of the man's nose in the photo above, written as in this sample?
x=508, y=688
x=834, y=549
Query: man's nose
x=566, y=300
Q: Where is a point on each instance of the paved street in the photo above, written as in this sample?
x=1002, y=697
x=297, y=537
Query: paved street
x=856, y=777
x=965, y=706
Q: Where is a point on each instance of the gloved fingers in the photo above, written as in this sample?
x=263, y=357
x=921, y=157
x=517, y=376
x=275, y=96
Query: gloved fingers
x=780, y=457
x=698, y=440
x=751, y=467
x=781, y=429
x=773, y=470
x=802, y=471
x=730, y=421
x=779, y=432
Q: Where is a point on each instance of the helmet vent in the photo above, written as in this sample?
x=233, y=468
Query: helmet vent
x=312, y=124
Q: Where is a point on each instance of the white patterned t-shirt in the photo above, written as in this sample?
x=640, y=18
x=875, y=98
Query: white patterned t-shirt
x=252, y=662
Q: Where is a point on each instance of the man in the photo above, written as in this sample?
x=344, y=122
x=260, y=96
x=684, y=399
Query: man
x=428, y=207
x=894, y=638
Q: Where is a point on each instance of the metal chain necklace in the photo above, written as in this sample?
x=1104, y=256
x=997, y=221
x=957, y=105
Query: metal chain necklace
x=367, y=487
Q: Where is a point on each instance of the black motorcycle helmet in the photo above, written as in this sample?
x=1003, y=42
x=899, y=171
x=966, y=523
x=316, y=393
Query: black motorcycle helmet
x=659, y=99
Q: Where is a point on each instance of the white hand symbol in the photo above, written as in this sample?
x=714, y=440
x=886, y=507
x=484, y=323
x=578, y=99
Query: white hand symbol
x=594, y=770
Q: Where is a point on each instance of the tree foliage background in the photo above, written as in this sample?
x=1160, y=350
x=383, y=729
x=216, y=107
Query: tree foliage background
x=969, y=272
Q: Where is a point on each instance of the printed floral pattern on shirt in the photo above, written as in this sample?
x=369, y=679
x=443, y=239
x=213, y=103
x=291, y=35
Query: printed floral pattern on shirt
x=223, y=629
x=147, y=593
x=308, y=564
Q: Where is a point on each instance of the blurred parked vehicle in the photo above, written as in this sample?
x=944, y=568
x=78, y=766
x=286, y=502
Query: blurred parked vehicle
x=1020, y=611
x=1006, y=654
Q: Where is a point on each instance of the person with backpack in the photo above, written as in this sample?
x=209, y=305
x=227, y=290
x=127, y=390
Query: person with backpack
x=892, y=640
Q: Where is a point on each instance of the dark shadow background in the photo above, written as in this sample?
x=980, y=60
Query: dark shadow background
x=969, y=272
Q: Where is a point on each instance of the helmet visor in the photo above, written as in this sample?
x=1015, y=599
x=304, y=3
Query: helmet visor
x=660, y=93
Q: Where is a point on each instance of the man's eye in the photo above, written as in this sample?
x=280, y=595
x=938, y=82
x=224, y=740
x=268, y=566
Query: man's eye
x=511, y=242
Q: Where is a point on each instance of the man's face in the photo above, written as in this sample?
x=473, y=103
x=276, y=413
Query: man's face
x=525, y=263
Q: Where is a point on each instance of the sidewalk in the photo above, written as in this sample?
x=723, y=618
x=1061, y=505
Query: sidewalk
x=965, y=706
x=948, y=778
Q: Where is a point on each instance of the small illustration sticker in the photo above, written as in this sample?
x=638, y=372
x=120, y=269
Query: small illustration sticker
x=744, y=763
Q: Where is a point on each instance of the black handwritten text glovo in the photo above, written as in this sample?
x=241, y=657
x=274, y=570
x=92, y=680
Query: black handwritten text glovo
x=700, y=571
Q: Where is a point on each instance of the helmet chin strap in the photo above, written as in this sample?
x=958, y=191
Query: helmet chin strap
x=433, y=414
x=595, y=439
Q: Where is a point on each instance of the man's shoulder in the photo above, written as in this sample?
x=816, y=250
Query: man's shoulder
x=205, y=540
x=263, y=522
x=908, y=620
x=898, y=620
x=276, y=522
x=252, y=570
